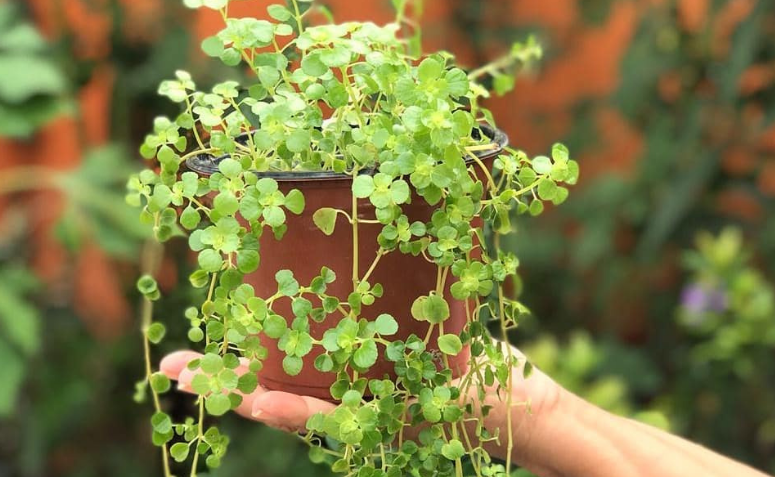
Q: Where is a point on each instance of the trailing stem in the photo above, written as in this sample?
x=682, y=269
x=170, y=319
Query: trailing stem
x=151, y=255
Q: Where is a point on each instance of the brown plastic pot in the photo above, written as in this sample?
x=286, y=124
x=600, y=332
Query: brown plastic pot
x=305, y=250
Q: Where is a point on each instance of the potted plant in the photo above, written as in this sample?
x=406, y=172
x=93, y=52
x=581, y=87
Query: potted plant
x=345, y=208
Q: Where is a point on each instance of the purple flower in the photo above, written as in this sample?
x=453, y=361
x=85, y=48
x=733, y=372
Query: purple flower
x=698, y=299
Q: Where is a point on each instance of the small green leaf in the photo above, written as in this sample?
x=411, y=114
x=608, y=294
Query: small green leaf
x=279, y=12
x=190, y=218
x=247, y=383
x=179, y=451
x=292, y=365
x=211, y=363
x=351, y=398
x=294, y=201
x=363, y=186
x=160, y=383
x=275, y=326
x=366, y=355
x=155, y=333
x=212, y=46
x=453, y=450
x=147, y=285
x=430, y=69
x=248, y=260
x=274, y=216
x=217, y=404
x=325, y=219
x=230, y=168
x=385, y=325
x=287, y=285
x=542, y=165
x=298, y=141
x=161, y=423
x=210, y=260
x=450, y=344
x=313, y=65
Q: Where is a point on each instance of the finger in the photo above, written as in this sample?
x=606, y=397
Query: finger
x=172, y=364
x=288, y=411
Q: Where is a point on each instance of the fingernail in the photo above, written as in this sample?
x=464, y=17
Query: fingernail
x=261, y=414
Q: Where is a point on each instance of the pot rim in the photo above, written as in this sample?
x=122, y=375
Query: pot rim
x=206, y=166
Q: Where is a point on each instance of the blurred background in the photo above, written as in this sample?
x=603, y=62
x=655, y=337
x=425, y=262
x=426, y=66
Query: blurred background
x=651, y=287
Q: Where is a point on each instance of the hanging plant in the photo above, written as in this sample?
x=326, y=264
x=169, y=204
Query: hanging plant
x=345, y=208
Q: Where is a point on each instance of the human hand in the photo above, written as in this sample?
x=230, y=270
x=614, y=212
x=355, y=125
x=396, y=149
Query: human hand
x=534, y=400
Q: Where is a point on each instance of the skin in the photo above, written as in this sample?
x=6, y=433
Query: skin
x=561, y=436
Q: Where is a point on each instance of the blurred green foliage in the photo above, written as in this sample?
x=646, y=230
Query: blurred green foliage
x=32, y=84
x=608, y=262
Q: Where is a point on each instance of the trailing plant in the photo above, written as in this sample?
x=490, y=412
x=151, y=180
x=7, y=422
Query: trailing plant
x=349, y=101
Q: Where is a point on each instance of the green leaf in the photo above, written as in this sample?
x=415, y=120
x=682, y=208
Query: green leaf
x=325, y=219
x=215, y=4
x=453, y=450
x=366, y=355
x=274, y=216
x=435, y=309
x=503, y=84
x=147, y=285
x=457, y=82
x=210, y=260
x=385, y=325
x=230, y=168
x=560, y=153
x=226, y=203
x=430, y=69
x=542, y=165
x=160, y=383
x=190, y=218
x=155, y=333
x=536, y=207
x=313, y=66
x=217, y=404
x=287, y=285
x=161, y=423
x=179, y=451
x=212, y=46
x=450, y=344
x=275, y=326
x=547, y=190
x=324, y=363
x=292, y=365
x=294, y=201
x=298, y=141
x=247, y=383
x=279, y=12
x=335, y=57
x=211, y=363
x=248, y=260
x=351, y=398
x=363, y=186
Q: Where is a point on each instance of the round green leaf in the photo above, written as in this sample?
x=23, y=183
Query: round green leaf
x=363, y=186
x=217, y=404
x=325, y=220
x=450, y=344
x=292, y=365
x=366, y=355
x=385, y=325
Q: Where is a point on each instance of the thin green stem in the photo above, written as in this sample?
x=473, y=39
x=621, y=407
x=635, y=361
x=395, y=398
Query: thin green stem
x=150, y=258
x=201, y=400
